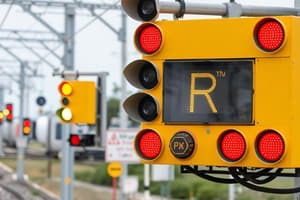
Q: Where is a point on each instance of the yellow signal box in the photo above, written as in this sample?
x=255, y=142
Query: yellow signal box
x=218, y=92
x=78, y=100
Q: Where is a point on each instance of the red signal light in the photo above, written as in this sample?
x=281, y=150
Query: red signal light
x=9, y=107
x=269, y=34
x=9, y=116
x=232, y=146
x=74, y=140
x=148, y=38
x=148, y=144
x=270, y=146
x=26, y=122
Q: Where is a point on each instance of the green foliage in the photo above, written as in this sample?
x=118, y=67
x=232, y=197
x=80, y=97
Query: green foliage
x=35, y=192
x=99, y=176
x=180, y=189
x=85, y=176
x=210, y=191
x=183, y=187
x=112, y=109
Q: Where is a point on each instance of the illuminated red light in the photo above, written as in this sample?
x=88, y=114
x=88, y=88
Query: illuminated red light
x=149, y=39
x=269, y=34
x=9, y=116
x=270, y=146
x=9, y=107
x=148, y=144
x=75, y=140
x=26, y=123
x=232, y=146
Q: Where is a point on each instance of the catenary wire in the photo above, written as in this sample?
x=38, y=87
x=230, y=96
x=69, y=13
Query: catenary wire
x=81, y=29
x=6, y=14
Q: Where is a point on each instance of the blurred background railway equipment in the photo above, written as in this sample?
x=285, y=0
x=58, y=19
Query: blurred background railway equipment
x=8, y=112
x=82, y=140
x=26, y=126
x=78, y=102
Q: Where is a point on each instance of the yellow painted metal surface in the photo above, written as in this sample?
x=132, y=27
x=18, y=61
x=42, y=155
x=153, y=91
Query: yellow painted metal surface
x=276, y=99
x=82, y=102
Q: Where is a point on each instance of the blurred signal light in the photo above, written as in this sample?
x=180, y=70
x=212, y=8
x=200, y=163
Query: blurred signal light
x=5, y=112
x=9, y=117
x=26, y=126
x=8, y=112
x=82, y=140
x=74, y=140
x=9, y=107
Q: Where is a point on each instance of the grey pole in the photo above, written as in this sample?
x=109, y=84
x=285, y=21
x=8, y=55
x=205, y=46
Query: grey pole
x=225, y=9
x=21, y=139
x=103, y=109
x=67, y=151
x=1, y=132
x=123, y=116
x=221, y=9
x=147, y=182
x=231, y=192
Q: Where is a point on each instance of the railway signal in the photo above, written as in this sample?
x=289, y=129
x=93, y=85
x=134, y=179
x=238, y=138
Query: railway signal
x=78, y=101
x=1, y=117
x=8, y=112
x=215, y=92
x=81, y=140
x=26, y=126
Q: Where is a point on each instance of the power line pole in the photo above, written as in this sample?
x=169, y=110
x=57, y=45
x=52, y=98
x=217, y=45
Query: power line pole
x=1, y=132
x=21, y=139
x=123, y=116
x=67, y=151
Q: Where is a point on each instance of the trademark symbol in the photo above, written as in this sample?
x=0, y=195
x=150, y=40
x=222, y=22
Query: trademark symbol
x=221, y=74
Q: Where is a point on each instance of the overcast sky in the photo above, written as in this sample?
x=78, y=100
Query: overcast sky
x=97, y=48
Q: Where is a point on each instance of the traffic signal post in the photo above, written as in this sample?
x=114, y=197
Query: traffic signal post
x=1, y=120
x=70, y=117
x=21, y=140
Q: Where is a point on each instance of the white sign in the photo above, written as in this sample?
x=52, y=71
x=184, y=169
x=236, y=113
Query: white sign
x=119, y=146
x=162, y=172
x=131, y=185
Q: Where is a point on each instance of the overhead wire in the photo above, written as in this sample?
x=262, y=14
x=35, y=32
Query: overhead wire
x=81, y=29
x=6, y=14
